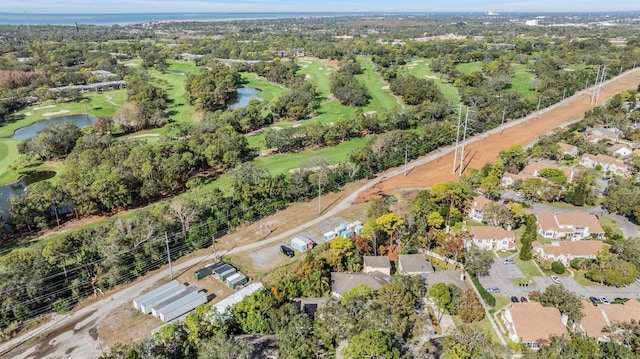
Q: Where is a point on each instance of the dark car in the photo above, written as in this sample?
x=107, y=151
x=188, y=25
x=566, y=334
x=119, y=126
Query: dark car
x=287, y=251
x=524, y=300
x=595, y=300
x=515, y=299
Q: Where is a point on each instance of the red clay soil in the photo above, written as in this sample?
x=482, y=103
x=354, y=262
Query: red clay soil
x=482, y=152
x=333, y=63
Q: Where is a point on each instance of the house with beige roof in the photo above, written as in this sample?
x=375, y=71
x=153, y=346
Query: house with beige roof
x=573, y=225
x=508, y=179
x=608, y=163
x=597, y=318
x=492, y=238
x=620, y=150
x=568, y=149
x=565, y=251
x=475, y=211
x=532, y=324
x=595, y=134
x=533, y=168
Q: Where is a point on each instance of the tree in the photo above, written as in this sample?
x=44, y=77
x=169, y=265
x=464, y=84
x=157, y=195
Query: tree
x=567, y=302
x=470, y=308
x=557, y=267
x=391, y=224
x=529, y=235
x=371, y=344
x=466, y=342
x=477, y=261
x=342, y=249
x=220, y=346
x=554, y=175
x=495, y=214
x=514, y=158
x=611, y=270
x=453, y=247
x=440, y=295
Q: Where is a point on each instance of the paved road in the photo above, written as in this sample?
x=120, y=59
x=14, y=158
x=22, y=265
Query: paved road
x=76, y=334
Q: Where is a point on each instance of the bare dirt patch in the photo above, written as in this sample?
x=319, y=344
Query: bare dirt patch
x=331, y=63
x=486, y=150
x=126, y=325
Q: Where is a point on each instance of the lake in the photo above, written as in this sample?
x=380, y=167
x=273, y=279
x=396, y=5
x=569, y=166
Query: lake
x=18, y=187
x=245, y=94
x=81, y=120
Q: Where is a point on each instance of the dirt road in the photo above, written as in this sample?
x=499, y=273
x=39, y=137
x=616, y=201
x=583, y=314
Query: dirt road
x=75, y=335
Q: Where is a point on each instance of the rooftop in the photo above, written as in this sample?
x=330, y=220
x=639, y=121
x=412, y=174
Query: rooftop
x=344, y=282
x=574, y=248
x=377, y=261
x=414, y=263
x=533, y=322
x=490, y=232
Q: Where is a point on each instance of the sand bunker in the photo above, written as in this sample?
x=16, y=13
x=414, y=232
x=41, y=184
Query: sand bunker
x=61, y=112
x=43, y=107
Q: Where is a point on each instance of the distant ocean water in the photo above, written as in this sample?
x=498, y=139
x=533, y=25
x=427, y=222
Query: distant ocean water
x=123, y=19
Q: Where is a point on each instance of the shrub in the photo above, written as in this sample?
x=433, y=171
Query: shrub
x=598, y=167
x=486, y=296
x=61, y=305
x=558, y=267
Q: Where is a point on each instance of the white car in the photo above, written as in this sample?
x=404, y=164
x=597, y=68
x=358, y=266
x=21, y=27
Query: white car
x=604, y=300
x=555, y=279
x=509, y=261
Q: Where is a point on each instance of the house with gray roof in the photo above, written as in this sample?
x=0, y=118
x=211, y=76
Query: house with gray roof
x=413, y=264
x=342, y=282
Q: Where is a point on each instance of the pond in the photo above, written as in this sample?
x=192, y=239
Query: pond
x=18, y=187
x=81, y=120
x=245, y=94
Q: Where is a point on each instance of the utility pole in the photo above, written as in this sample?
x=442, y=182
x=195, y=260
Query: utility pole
x=406, y=153
x=538, y=110
x=319, y=193
x=464, y=139
x=504, y=112
x=564, y=93
x=455, y=154
x=604, y=73
x=166, y=241
x=595, y=84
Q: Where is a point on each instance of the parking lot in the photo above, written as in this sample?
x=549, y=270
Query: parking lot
x=502, y=276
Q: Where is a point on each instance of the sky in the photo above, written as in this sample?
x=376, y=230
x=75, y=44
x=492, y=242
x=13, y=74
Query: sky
x=147, y=6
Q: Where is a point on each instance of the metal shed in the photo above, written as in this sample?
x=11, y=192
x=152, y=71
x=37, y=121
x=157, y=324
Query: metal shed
x=302, y=244
x=145, y=307
x=348, y=233
x=169, y=300
x=202, y=273
x=222, y=306
x=236, y=280
x=182, y=306
x=339, y=229
x=218, y=270
x=160, y=290
x=226, y=274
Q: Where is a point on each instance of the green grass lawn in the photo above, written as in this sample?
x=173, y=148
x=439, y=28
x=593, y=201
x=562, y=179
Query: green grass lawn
x=577, y=67
x=528, y=268
x=469, y=67
x=501, y=301
x=172, y=81
x=381, y=97
x=484, y=326
x=330, y=110
x=269, y=90
x=611, y=223
x=580, y=278
x=521, y=81
x=420, y=68
x=282, y=163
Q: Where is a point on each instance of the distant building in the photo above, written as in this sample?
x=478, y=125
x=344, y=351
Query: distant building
x=620, y=149
x=607, y=163
x=568, y=149
x=531, y=22
x=597, y=318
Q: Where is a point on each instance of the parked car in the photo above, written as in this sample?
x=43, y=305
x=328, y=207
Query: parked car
x=555, y=279
x=509, y=261
x=604, y=300
x=287, y=251
x=524, y=300
x=515, y=299
x=595, y=300
x=493, y=290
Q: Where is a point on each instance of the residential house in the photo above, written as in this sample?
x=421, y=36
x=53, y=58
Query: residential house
x=342, y=282
x=309, y=305
x=620, y=150
x=476, y=209
x=596, y=318
x=533, y=168
x=532, y=324
x=565, y=251
x=379, y=264
x=608, y=163
x=596, y=134
x=575, y=225
x=508, y=179
x=492, y=238
x=413, y=264
x=568, y=149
